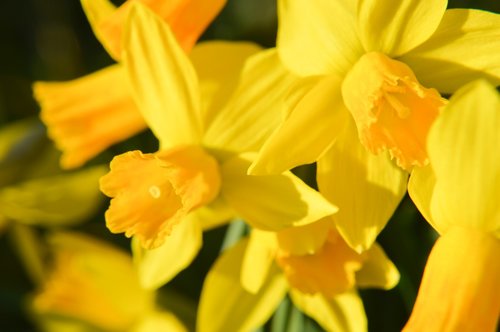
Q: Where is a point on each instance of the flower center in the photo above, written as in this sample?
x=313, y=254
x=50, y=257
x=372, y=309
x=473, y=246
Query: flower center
x=391, y=109
x=153, y=192
x=329, y=271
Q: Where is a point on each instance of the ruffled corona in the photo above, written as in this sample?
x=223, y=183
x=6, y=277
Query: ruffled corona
x=152, y=192
x=391, y=109
x=330, y=271
x=81, y=126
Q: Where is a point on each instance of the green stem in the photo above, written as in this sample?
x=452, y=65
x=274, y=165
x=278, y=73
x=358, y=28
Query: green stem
x=235, y=231
x=28, y=248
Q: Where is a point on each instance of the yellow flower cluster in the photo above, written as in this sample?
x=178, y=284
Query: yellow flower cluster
x=358, y=87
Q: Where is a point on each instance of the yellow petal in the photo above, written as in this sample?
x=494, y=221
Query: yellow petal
x=87, y=115
x=63, y=199
x=187, y=18
x=158, y=266
x=318, y=38
x=106, y=22
x=303, y=240
x=366, y=188
x=218, y=65
x=163, y=80
x=154, y=192
x=344, y=312
x=159, y=321
x=215, y=214
x=391, y=109
x=329, y=271
x=94, y=282
x=421, y=188
x=460, y=289
x=395, y=28
x=316, y=118
x=378, y=270
x=463, y=48
x=463, y=149
x=226, y=306
x=254, y=110
x=258, y=259
x=271, y=202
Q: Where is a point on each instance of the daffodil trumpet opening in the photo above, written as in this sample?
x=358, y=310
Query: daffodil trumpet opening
x=392, y=110
x=151, y=193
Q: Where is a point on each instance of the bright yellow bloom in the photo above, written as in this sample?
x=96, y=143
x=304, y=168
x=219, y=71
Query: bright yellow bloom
x=93, y=285
x=87, y=115
x=458, y=194
x=312, y=262
x=206, y=146
x=371, y=73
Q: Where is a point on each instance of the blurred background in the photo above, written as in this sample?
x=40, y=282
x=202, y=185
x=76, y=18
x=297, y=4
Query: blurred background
x=52, y=41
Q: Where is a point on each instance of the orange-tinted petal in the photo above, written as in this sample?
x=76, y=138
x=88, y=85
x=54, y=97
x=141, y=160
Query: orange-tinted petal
x=329, y=271
x=92, y=282
x=153, y=192
x=188, y=19
x=87, y=115
x=303, y=240
x=391, y=109
x=460, y=289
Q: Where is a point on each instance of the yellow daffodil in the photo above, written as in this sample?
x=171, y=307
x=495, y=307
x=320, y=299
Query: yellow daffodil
x=87, y=115
x=458, y=194
x=94, y=286
x=207, y=142
x=33, y=190
x=371, y=74
x=312, y=262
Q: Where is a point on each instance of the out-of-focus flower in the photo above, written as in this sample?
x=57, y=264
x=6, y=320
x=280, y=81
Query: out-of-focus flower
x=33, y=190
x=313, y=262
x=206, y=145
x=372, y=71
x=458, y=195
x=87, y=115
x=94, y=286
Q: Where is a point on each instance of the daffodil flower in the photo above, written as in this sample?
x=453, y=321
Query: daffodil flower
x=93, y=285
x=458, y=195
x=313, y=263
x=206, y=146
x=33, y=189
x=371, y=74
x=87, y=115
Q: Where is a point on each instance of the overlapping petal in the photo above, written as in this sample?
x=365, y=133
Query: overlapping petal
x=271, y=202
x=394, y=28
x=226, y=305
x=463, y=48
x=258, y=259
x=255, y=109
x=344, y=312
x=187, y=18
x=218, y=65
x=378, y=270
x=320, y=113
x=366, y=187
x=464, y=146
x=317, y=38
x=163, y=80
x=158, y=266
